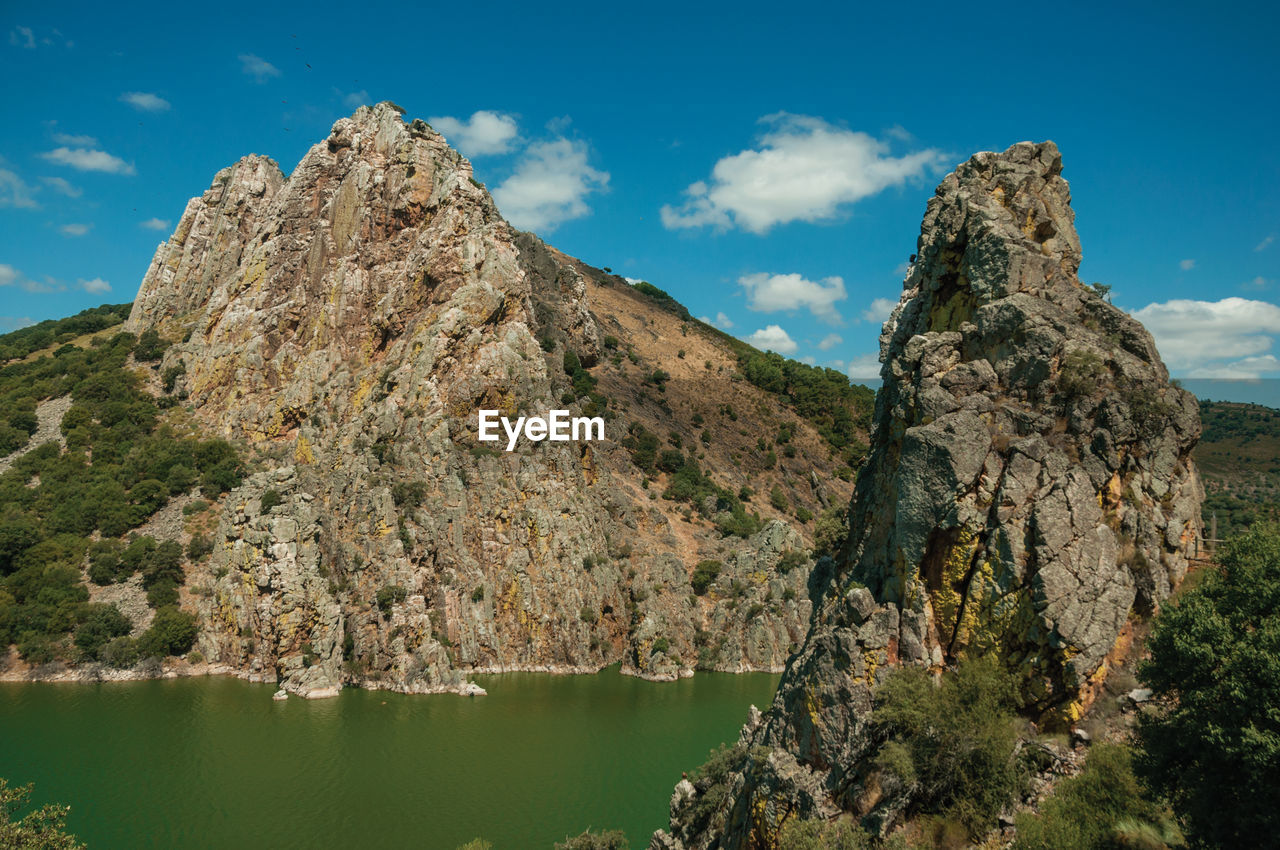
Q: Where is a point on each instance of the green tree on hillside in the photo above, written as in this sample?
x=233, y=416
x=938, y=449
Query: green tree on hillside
x=1214, y=748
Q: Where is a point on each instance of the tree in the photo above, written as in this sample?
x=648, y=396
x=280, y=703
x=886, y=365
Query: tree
x=1214, y=749
x=614, y=839
x=172, y=632
x=41, y=829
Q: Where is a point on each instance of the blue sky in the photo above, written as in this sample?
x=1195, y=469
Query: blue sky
x=635, y=137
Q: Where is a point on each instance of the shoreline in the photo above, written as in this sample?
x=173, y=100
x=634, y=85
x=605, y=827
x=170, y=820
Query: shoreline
x=97, y=674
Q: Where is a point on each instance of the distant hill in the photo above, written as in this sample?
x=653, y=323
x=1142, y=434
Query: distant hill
x=1239, y=459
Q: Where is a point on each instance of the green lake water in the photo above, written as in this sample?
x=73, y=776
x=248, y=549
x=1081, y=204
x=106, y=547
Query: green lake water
x=215, y=763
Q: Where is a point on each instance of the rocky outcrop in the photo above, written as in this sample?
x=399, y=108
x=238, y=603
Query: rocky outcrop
x=1029, y=487
x=344, y=325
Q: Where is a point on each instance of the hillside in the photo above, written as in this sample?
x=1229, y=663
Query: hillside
x=280, y=451
x=1239, y=457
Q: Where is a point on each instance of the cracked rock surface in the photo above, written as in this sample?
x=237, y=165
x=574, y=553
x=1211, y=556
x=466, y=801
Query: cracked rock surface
x=1029, y=486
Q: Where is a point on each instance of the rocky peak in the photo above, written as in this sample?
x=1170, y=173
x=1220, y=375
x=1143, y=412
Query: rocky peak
x=1029, y=486
x=344, y=325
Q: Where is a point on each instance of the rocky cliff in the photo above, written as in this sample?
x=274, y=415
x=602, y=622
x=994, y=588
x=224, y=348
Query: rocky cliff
x=344, y=325
x=1029, y=489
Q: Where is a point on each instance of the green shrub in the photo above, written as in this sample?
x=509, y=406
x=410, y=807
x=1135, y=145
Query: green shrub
x=100, y=625
x=823, y=835
x=150, y=347
x=391, y=594
x=1081, y=373
x=43, y=828
x=704, y=574
x=477, y=595
x=1213, y=746
x=270, y=499
x=200, y=545
x=1097, y=809
x=958, y=737
x=172, y=632
x=614, y=839
x=778, y=499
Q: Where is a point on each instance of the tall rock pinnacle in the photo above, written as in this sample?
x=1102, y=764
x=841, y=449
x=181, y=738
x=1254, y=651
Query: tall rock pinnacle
x=1029, y=485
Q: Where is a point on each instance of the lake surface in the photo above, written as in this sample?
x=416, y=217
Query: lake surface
x=215, y=763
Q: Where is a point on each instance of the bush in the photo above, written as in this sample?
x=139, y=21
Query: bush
x=122, y=652
x=704, y=574
x=172, y=632
x=270, y=499
x=200, y=545
x=955, y=740
x=150, y=346
x=1097, y=809
x=830, y=531
x=477, y=595
x=389, y=595
x=100, y=625
x=1081, y=374
x=778, y=499
x=614, y=839
x=1214, y=747
x=39, y=829
x=822, y=835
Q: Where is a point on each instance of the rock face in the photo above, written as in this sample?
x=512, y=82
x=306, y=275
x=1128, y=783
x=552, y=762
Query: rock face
x=1030, y=484
x=345, y=325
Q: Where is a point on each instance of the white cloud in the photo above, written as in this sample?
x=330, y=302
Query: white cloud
x=1187, y=265
x=721, y=321
x=485, y=132
x=62, y=187
x=22, y=37
x=768, y=293
x=772, y=338
x=9, y=276
x=255, y=66
x=145, y=101
x=356, y=99
x=1262, y=246
x=1249, y=368
x=75, y=141
x=879, y=310
x=549, y=185
x=829, y=342
x=14, y=191
x=864, y=367
x=75, y=229
x=155, y=224
x=97, y=286
x=804, y=170
x=1258, y=282
x=809, y=359
x=1212, y=338
x=86, y=159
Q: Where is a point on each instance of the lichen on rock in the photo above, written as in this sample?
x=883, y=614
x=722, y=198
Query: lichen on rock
x=1029, y=487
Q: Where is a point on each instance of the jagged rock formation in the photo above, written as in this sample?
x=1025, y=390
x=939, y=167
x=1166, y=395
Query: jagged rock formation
x=1030, y=485
x=346, y=324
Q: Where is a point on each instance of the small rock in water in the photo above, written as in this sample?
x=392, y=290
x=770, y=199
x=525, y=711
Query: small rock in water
x=280, y=694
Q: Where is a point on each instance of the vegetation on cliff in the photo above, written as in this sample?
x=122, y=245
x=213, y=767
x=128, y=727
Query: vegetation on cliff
x=67, y=503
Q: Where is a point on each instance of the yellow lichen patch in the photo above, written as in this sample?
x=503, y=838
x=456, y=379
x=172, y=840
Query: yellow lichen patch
x=302, y=452
x=871, y=662
x=945, y=597
x=956, y=310
x=362, y=392
x=811, y=705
